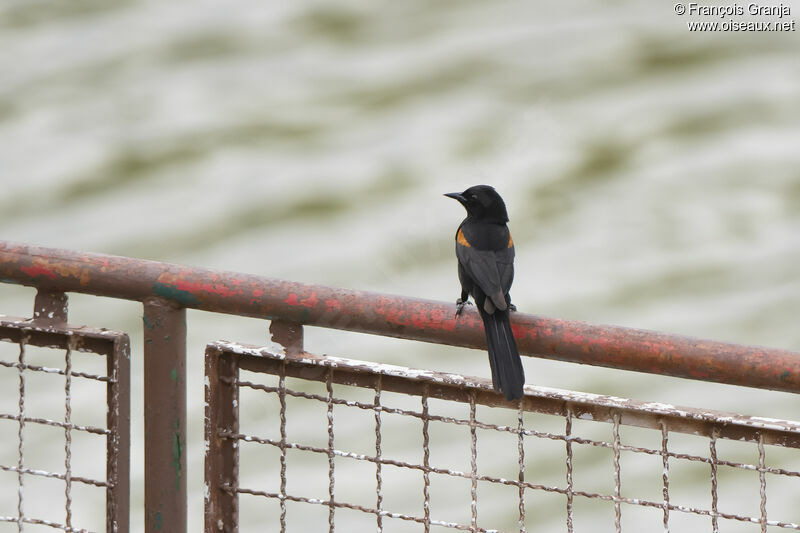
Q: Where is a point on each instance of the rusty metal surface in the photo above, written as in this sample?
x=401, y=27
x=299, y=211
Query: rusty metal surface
x=422, y=320
x=95, y=340
x=164, y=416
x=455, y=387
x=50, y=308
x=287, y=334
x=221, y=465
x=118, y=447
x=115, y=346
x=662, y=419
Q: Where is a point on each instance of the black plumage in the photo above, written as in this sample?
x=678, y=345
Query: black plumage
x=485, y=253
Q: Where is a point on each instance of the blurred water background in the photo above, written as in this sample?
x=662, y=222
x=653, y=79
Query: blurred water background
x=652, y=175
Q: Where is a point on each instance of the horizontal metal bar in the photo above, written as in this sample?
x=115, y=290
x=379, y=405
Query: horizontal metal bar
x=86, y=339
x=55, y=475
x=55, y=423
x=546, y=400
x=395, y=316
x=354, y=507
x=38, y=522
x=59, y=371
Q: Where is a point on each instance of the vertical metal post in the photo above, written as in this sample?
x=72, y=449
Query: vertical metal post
x=287, y=334
x=426, y=461
x=164, y=416
x=50, y=308
x=222, y=399
x=119, y=442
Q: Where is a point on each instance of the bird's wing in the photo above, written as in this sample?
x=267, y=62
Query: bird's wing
x=482, y=267
x=505, y=266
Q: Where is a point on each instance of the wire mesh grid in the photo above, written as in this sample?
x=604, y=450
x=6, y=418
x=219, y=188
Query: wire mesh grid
x=55, y=449
x=555, y=461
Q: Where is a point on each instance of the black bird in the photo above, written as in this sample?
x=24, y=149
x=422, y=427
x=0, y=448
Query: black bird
x=485, y=253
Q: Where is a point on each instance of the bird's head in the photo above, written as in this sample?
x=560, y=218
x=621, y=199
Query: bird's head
x=482, y=203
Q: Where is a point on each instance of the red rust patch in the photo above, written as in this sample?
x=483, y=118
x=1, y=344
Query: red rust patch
x=443, y=320
x=395, y=316
x=291, y=299
x=255, y=295
x=449, y=324
x=518, y=331
x=213, y=288
x=38, y=270
x=420, y=320
x=311, y=301
x=573, y=338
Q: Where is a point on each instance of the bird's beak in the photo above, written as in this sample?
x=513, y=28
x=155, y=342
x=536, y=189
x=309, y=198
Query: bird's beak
x=456, y=196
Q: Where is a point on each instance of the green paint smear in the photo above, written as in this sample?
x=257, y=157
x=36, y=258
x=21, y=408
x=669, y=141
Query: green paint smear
x=173, y=375
x=177, y=452
x=171, y=293
x=158, y=520
x=147, y=324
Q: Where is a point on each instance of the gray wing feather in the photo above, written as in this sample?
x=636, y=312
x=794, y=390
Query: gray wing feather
x=489, y=270
x=505, y=267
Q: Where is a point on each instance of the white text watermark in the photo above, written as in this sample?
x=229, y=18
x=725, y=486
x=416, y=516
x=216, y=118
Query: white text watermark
x=771, y=17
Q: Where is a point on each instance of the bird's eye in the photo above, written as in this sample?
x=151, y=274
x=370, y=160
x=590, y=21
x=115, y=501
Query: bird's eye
x=473, y=197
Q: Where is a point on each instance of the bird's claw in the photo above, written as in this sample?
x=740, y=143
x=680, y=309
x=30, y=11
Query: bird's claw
x=460, y=305
x=512, y=307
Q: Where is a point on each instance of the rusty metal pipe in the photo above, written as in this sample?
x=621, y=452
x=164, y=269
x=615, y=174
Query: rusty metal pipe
x=408, y=318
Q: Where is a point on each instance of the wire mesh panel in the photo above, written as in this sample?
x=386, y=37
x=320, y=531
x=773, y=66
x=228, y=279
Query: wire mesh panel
x=305, y=443
x=62, y=462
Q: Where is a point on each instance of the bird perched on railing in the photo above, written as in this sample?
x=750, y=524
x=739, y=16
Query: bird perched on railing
x=485, y=253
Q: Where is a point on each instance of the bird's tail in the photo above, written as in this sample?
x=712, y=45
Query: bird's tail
x=506, y=364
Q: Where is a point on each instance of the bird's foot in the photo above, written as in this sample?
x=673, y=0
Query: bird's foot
x=512, y=307
x=460, y=305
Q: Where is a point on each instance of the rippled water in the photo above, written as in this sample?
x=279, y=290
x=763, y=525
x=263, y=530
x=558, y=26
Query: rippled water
x=652, y=174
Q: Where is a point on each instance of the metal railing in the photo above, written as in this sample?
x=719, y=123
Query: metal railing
x=63, y=345
x=225, y=437
x=167, y=290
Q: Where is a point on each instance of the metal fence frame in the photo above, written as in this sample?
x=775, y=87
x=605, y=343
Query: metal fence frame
x=224, y=360
x=51, y=332
x=167, y=290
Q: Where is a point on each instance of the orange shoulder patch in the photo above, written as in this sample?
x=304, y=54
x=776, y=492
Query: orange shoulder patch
x=460, y=239
x=510, y=241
